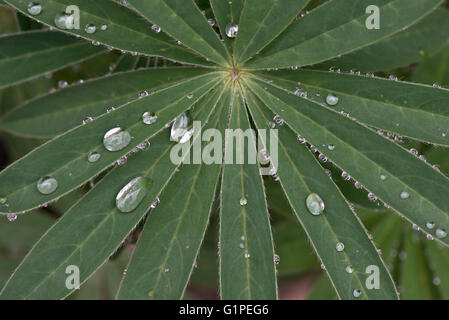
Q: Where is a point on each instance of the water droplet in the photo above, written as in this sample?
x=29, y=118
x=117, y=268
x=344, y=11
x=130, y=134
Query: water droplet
x=278, y=120
x=372, y=197
x=331, y=100
x=149, y=117
x=155, y=203
x=277, y=259
x=211, y=22
x=132, y=194
x=429, y=237
x=116, y=139
x=93, y=157
x=405, y=195
x=349, y=269
x=356, y=293
x=243, y=202
x=358, y=185
x=190, y=96
x=64, y=21
x=122, y=160
x=166, y=270
x=247, y=255
x=440, y=233
x=430, y=225
x=3, y=200
x=143, y=94
x=34, y=8
x=436, y=281
x=314, y=204
x=90, y=28
x=104, y=27
x=109, y=110
x=12, y=217
x=345, y=176
x=331, y=147
x=47, y=185
x=180, y=130
x=156, y=28
x=383, y=177
x=340, y=246
x=232, y=30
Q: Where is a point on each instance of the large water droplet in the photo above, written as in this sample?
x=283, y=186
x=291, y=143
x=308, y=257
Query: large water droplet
x=93, y=157
x=331, y=100
x=116, y=139
x=315, y=204
x=132, y=194
x=64, y=21
x=232, y=30
x=47, y=185
x=149, y=117
x=440, y=233
x=181, y=130
x=34, y=8
x=90, y=28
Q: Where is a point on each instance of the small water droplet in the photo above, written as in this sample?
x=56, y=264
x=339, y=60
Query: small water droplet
x=278, y=120
x=90, y=28
x=356, y=293
x=315, y=204
x=34, y=8
x=429, y=237
x=440, y=233
x=156, y=28
x=340, y=246
x=122, y=160
x=211, y=22
x=104, y=27
x=12, y=217
x=116, y=139
x=331, y=100
x=405, y=195
x=47, y=185
x=149, y=117
x=277, y=259
x=383, y=177
x=132, y=194
x=345, y=176
x=93, y=157
x=331, y=147
x=247, y=255
x=243, y=202
x=232, y=30
x=166, y=270
x=349, y=269
x=430, y=224
x=372, y=196
x=190, y=96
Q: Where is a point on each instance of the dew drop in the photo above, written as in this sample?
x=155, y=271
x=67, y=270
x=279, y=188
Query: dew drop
x=247, y=255
x=340, y=246
x=243, y=202
x=12, y=217
x=232, y=30
x=132, y=194
x=440, y=233
x=47, y=185
x=181, y=130
x=331, y=147
x=429, y=237
x=90, y=28
x=345, y=176
x=34, y=8
x=104, y=27
x=383, y=177
x=149, y=117
x=211, y=22
x=405, y=195
x=156, y=28
x=356, y=293
x=331, y=100
x=190, y=96
x=277, y=259
x=116, y=139
x=349, y=269
x=93, y=157
x=315, y=204
x=64, y=21
x=430, y=224
x=372, y=196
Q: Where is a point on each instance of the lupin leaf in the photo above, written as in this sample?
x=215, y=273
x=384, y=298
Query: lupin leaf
x=174, y=231
x=53, y=114
x=126, y=30
x=30, y=54
x=410, y=186
x=227, y=13
x=183, y=20
x=100, y=226
x=300, y=176
x=65, y=157
x=409, y=109
x=307, y=41
x=246, y=246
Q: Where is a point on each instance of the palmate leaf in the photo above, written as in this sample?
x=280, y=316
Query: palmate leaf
x=71, y=168
x=398, y=178
x=55, y=113
x=30, y=54
x=227, y=13
x=246, y=246
x=300, y=175
x=175, y=229
x=413, y=110
x=126, y=30
x=100, y=227
x=323, y=33
x=183, y=20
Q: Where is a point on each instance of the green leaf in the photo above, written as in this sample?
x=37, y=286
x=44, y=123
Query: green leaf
x=30, y=54
x=272, y=17
x=413, y=110
x=246, y=246
x=322, y=289
x=439, y=258
x=52, y=114
x=125, y=63
x=65, y=157
x=126, y=30
x=434, y=69
x=410, y=186
x=300, y=175
x=415, y=278
x=227, y=13
x=184, y=21
x=100, y=227
x=307, y=42
x=165, y=255
x=422, y=39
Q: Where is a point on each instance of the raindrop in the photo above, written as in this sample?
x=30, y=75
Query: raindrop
x=405, y=195
x=116, y=139
x=156, y=28
x=278, y=120
x=34, y=8
x=181, y=130
x=132, y=194
x=340, y=246
x=331, y=147
x=356, y=293
x=155, y=203
x=12, y=217
x=358, y=185
x=47, y=185
x=90, y=28
x=315, y=204
x=87, y=120
x=143, y=94
x=440, y=233
x=372, y=197
x=331, y=100
x=93, y=157
x=430, y=225
x=64, y=21
x=232, y=30
x=383, y=177
x=276, y=259
x=211, y=22
x=122, y=161
x=349, y=269
x=104, y=27
x=429, y=237
x=345, y=176
x=190, y=96
x=243, y=202
x=166, y=270
x=149, y=117
x=247, y=255
x=62, y=84
x=109, y=110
